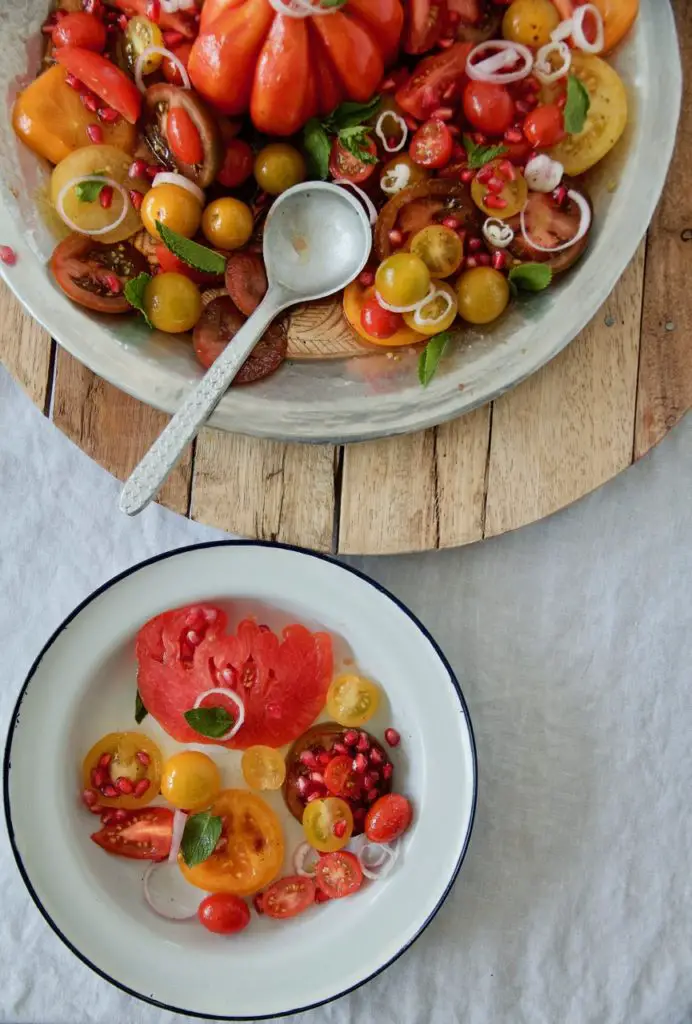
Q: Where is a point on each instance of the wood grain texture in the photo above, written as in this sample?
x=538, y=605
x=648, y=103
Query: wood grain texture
x=665, y=369
x=25, y=348
x=569, y=428
x=111, y=427
x=265, y=489
x=461, y=452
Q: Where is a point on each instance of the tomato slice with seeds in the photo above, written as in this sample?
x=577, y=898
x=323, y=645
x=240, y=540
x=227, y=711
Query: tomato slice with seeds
x=345, y=164
x=85, y=270
x=339, y=874
x=431, y=146
x=141, y=835
x=549, y=223
x=288, y=897
x=340, y=779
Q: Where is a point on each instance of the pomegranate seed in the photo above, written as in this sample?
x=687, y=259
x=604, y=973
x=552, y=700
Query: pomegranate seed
x=7, y=255
x=112, y=283
x=95, y=133
x=513, y=135
x=141, y=787
x=193, y=638
x=107, y=817
x=109, y=791
x=392, y=737
x=152, y=170
x=411, y=123
x=483, y=259
x=136, y=198
x=372, y=796
x=124, y=785
x=445, y=44
x=340, y=748
x=172, y=39
x=99, y=777
x=363, y=742
x=108, y=114
x=480, y=139
x=495, y=185
x=467, y=175
x=90, y=798
x=317, y=777
x=371, y=780
x=302, y=785
x=350, y=737
x=138, y=168
x=143, y=758
x=73, y=82
x=339, y=829
x=494, y=202
x=453, y=17
x=360, y=763
x=485, y=174
x=316, y=795
x=395, y=237
x=376, y=756
x=475, y=244
x=560, y=195
x=388, y=85
x=471, y=263
x=120, y=815
x=451, y=222
x=506, y=169
x=105, y=760
x=106, y=196
x=321, y=897
x=499, y=260
x=450, y=92
x=90, y=101
x=324, y=758
x=387, y=771
x=443, y=113
x=257, y=902
x=122, y=23
x=308, y=759
x=211, y=615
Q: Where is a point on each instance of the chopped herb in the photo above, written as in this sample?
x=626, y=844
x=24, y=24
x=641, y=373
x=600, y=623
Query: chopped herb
x=318, y=147
x=192, y=253
x=200, y=836
x=140, y=711
x=355, y=140
x=430, y=357
x=347, y=123
x=89, y=191
x=529, y=277
x=577, y=107
x=211, y=722
x=134, y=293
x=478, y=156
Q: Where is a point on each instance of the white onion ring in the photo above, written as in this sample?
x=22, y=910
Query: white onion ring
x=300, y=8
x=173, y=6
x=385, y=856
x=169, y=178
x=491, y=69
x=543, y=174
x=420, y=321
x=562, y=32
x=166, y=903
x=544, y=70
x=179, y=819
x=379, y=131
x=396, y=179
x=169, y=55
x=236, y=699
x=498, y=233
x=60, y=204
x=579, y=37
x=367, y=201
x=406, y=309
x=300, y=858
x=584, y=225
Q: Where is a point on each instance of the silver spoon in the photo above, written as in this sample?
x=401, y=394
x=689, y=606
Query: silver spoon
x=317, y=239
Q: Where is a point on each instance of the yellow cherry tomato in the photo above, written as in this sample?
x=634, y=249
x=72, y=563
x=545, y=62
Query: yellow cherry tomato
x=513, y=195
x=355, y=296
x=279, y=166
x=263, y=767
x=402, y=279
x=129, y=764
x=401, y=172
x=190, y=780
x=530, y=22
x=352, y=700
x=427, y=318
x=173, y=206
x=328, y=824
x=440, y=248
x=227, y=223
x=142, y=33
x=483, y=294
x=173, y=303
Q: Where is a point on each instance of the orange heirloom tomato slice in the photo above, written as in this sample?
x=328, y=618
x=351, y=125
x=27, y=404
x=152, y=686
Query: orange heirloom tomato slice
x=249, y=853
x=124, y=769
x=355, y=296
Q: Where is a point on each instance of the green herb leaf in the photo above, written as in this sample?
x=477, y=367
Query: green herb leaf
x=577, y=107
x=327, y=4
x=530, y=277
x=355, y=140
x=89, y=191
x=192, y=253
x=350, y=115
x=430, y=357
x=200, y=836
x=134, y=293
x=317, y=146
x=211, y=722
x=140, y=711
x=480, y=155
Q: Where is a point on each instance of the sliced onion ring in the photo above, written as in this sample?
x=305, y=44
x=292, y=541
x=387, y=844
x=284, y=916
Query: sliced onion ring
x=236, y=700
x=367, y=201
x=493, y=68
x=395, y=179
x=166, y=892
x=376, y=859
x=543, y=68
x=379, y=131
x=179, y=819
x=498, y=233
x=169, y=55
x=60, y=203
x=579, y=36
x=421, y=321
x=562, y=32
x=584, y=225
x=406, y=309
x=302, y=858
x=301, y=8
x=170, y=178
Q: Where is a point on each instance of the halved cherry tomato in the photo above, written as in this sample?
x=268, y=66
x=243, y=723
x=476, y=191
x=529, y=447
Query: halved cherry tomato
x=512, y=196
x=431, y=146
x=435, y=314
x=223, y=913
x=339, y=874
x=328, y=824
x=85, y=269
x=354, y=298
x=80, y=29
x=378, y=321
x=489, y=107
x=388, y=818
x=103, y=78
x=545, y=126
x=237, y=165
x=263, y=767
x=183, y=137
x=344, y=164
x=431, y=79
x=288, y=897
x=424, y=24
x=140, y=835
x=352, y=700
x=440, y=248
x=340, y=779
x=618, y=16
x=170, y=70
x=124, y=768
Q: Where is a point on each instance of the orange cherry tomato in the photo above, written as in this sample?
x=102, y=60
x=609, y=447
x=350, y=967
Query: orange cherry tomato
x=183, y=137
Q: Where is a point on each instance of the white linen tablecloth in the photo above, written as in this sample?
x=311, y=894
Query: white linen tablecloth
x=573, y=642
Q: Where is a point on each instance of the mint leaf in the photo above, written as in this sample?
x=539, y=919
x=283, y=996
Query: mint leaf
x=192, y=253
x=355, y=140
x=211, y=722
x=89, y=191
x=317, y=146
x=577, y=107
x=350, y=115
x=327, y=4
x=530, y=277
x=478, y=156
x=140, y=711
x=134, y=293
x=430, y=357
x=200, y=836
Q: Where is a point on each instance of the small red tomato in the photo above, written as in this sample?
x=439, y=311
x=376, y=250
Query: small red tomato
x=80, y=29
x=224, y=913
x=545, y=126
x=339, y=874
x=183, y=137
x=170, y=70
x=237, y=164
x=344, y=164
x=379, y=322
x=489, y=107
x=432, y=144
x=388, y=818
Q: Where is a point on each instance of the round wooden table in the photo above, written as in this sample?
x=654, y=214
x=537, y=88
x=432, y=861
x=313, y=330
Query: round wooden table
x=603, y=403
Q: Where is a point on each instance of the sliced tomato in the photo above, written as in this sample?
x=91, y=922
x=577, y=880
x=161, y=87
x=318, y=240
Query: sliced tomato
x=618, y=17
x=549, y=223
x=418, y=206
x=340, y=779
x=176, y=21
x=431, y=146
x=430, y=80
x=219, y=324
x=344, y=164
x=339, y=874
x=103, y=78
x=478, y=20
x=388, y=818
x=139, y=835
x=426, y=20
x=95, y=275
x=246, y=280
x=288, y=897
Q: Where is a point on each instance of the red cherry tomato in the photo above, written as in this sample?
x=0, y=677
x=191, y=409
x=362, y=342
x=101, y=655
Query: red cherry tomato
x=379, y=322
x=80, y=29
x=102, y=76
x=343, y=163
x=339, y=777
x=489, y=107
x=224, y=913
x=388, y=818
x=237, y=164
x=140, y=835
x=288, y=897
x=170, y=70
x=432, y=144
x=183, y=137
x=545, y=126
x=339, y=874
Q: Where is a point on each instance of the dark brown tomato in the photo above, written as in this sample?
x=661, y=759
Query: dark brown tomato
x=159, y=101
x=418, y=206
x=549, y=224
x=95, y=275
x=478, y=20
x=246, y=281
x=219, y=324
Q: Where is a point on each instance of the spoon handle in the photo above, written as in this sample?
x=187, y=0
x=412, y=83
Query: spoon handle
x=151, y=473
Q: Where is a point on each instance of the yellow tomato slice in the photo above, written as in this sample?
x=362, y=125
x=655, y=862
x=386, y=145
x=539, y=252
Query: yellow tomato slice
x=123, y=761
x=352, y=700
x=514, y=194
x=328, y=824
x=263, y=767
x=251, y=849
x=354, y=297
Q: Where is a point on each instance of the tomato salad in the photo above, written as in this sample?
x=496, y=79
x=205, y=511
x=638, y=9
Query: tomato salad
x=465, y=127
x=259, y=693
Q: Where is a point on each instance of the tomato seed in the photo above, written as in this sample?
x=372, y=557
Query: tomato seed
x=143, y=758
x=8, y=255
x=499, y=260
x=95, y=133
x=392, y=737
x=124, y=785
x=350, y=737
x=141, y=787
x=339, y=829
x=109, y=791
x=136, y=198
x=494, y=202
x=388, y=769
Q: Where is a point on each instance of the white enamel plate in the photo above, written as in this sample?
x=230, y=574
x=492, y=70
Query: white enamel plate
x=83, y=685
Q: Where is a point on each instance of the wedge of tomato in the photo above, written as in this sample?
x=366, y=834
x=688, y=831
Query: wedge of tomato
x=103, y=78
x=139, y=835
x=430, y=80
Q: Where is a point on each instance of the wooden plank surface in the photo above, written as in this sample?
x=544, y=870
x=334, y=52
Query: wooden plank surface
x=25, y=348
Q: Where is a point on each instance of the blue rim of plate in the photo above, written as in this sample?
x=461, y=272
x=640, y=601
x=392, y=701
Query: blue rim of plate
x=65, y=623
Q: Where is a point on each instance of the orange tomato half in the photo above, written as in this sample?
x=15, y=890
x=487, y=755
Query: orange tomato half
x=355, y=295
